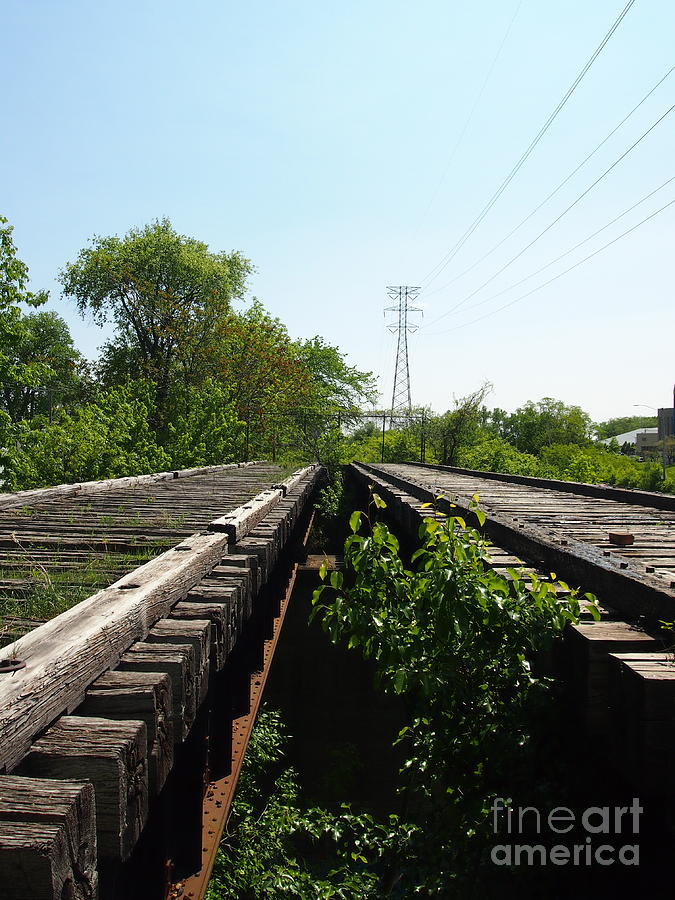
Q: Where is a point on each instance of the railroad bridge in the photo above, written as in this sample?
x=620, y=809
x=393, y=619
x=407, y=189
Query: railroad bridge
x=124, y=719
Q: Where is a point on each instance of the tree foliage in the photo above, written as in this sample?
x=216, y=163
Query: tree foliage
x=44, y=346
x=166, y=295
x=15, y=370
x=621, y=425
x=537, y=425
x=275, y=846
x=459, y=427
x=458, y=640
x=109, y=436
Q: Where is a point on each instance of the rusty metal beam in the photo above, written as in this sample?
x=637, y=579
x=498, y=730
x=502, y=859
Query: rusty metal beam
x=220, y=792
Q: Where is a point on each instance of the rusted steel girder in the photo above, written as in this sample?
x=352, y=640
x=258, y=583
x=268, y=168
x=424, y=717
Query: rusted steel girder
x=220, y=791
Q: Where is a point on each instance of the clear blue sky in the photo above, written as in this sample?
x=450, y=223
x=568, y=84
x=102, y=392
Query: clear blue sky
x=322, y=141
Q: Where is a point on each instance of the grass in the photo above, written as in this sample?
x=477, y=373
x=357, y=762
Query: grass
x=54, y=590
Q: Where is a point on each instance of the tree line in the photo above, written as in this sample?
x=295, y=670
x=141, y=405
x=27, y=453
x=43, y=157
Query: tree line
x=545, y=438
x=195, y=374
x=186, y=379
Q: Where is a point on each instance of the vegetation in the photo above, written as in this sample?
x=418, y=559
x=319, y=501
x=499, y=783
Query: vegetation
x=185, y=380
x=457, y=642
x=276, y=846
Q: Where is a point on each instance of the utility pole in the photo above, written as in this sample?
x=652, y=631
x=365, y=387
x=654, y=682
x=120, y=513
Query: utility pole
x=400, y=398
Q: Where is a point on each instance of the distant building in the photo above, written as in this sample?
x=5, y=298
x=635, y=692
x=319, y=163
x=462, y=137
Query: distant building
x=665, y=421
x=644, y=440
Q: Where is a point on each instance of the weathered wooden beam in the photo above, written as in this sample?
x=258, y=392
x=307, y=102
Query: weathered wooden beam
x=145, y=696
x=240, y=521
x=178, y=661
x=219, y=615
x=589, y=647
x=47, y=839
x=65, y=655
x=113, y=756
x=195, y=632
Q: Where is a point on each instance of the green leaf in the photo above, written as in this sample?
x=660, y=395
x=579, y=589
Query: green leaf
x=400, y=681
x=379, y=502
x=355, y=521
x=336, y=580
x=322, y=571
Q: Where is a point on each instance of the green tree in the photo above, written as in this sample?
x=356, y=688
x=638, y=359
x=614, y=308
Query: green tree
x=457, y=639
x=165, y=293
x=105, y=438
x=45, y=343
x=536, y=425
x=459, y=427
x=13, y=292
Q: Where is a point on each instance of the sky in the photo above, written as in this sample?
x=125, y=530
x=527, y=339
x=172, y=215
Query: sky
x=347, y=147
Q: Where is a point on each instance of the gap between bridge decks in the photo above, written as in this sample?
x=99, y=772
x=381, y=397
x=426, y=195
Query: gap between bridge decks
x=59, y=670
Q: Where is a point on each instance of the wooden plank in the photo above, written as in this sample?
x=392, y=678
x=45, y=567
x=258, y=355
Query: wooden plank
x=15, y=499
x=240, y=521
x=35, y=862
x=38, y=862
x=113, y=756
x=65, y=655
x=144, y=696
x=190, y=631
x=644, y=719
x=178, y=661
x=219, y=615
x=589, y=647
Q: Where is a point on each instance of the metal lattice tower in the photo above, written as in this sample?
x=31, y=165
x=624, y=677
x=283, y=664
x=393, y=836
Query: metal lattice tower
x=403, y=295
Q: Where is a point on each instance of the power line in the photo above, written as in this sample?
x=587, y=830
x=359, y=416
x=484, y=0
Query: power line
x=555, y=190
x=555, y=221
x=556, y=277
x=572, y=249
x=469, y=118
x=449, y=256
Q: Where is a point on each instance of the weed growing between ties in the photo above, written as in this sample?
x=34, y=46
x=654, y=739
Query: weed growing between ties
x=32, y=592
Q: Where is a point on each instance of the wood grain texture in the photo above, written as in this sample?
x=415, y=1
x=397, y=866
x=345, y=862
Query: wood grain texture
x=64, y=859
x=65, y=655
x=145, y=696
x=113, y=756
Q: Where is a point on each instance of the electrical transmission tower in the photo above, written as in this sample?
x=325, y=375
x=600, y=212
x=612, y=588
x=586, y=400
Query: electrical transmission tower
x=400, y=398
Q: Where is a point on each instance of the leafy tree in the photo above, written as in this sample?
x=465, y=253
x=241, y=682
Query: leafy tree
x=44, y=342
x=460, y=426
x=14, y=368
x=105, y=438
x=335, y=385
x=203, y=428
x=166, y=295
x=497, y=455
x=277, y=847
x=537, y=425
x=259, y=365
